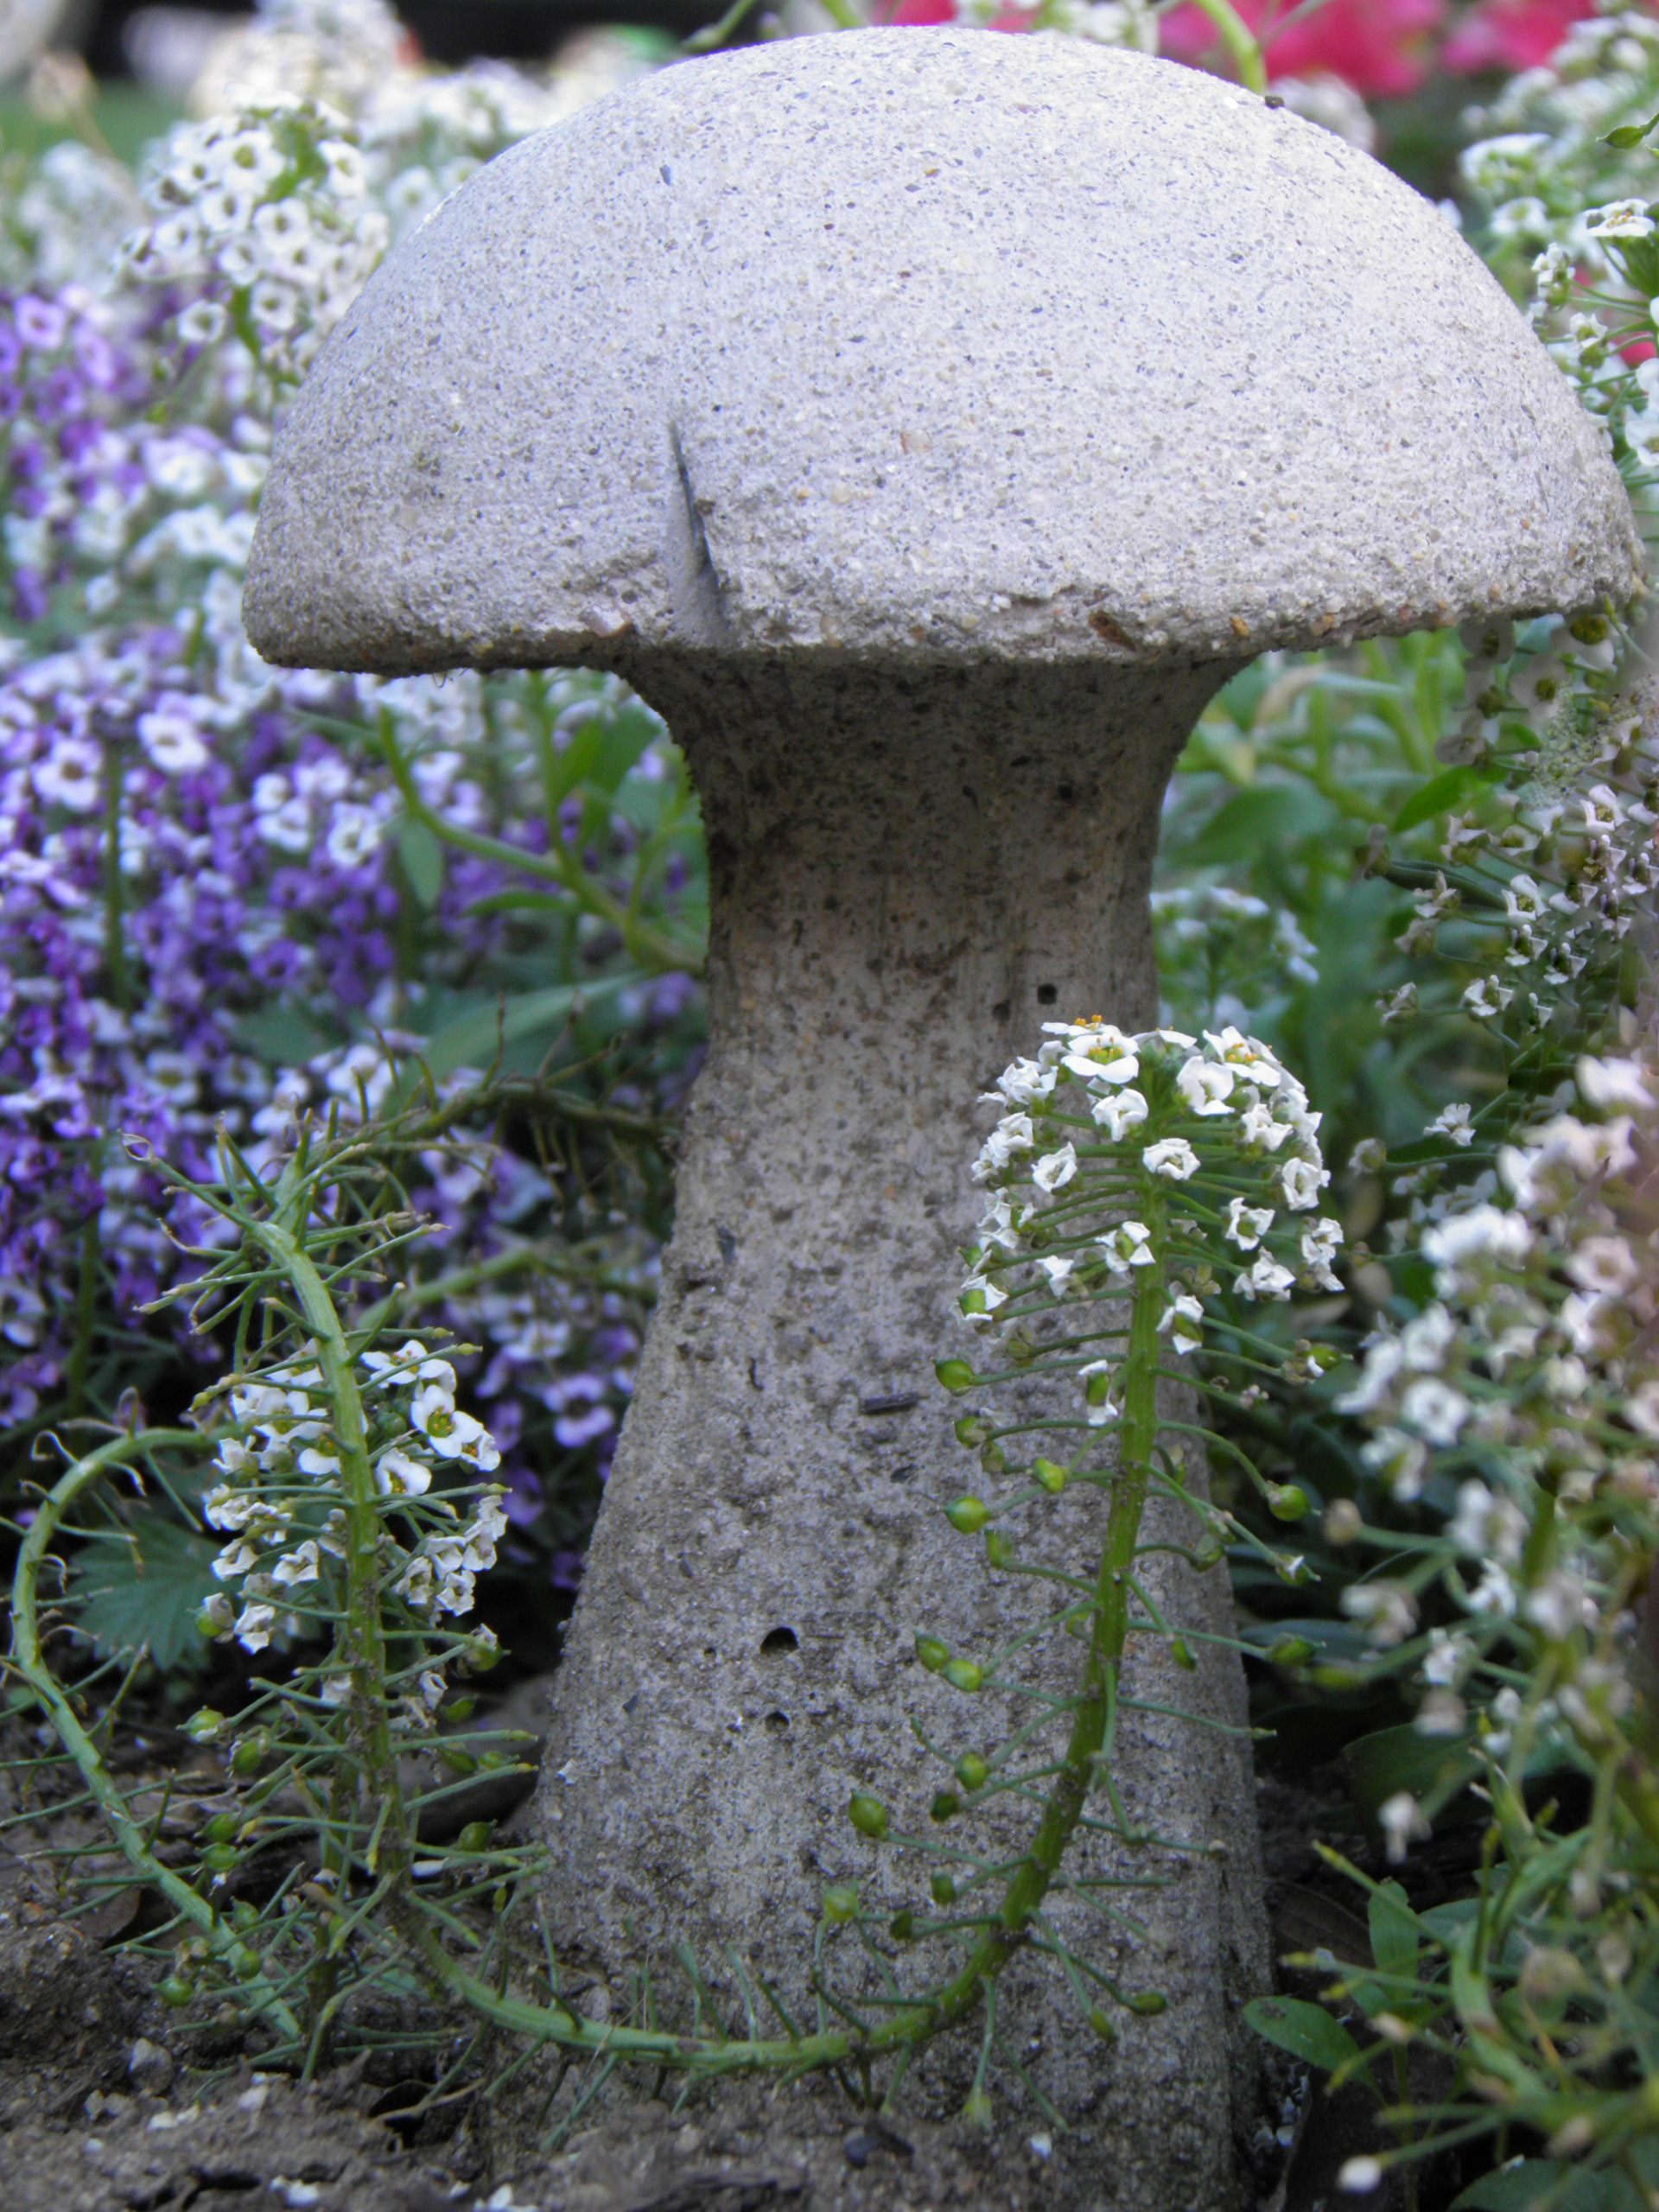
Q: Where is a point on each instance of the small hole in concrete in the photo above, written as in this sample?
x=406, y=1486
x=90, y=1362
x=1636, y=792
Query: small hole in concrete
x=1066, y=794
x=780, y=1639
x=776, y=1722
x=1047, y=993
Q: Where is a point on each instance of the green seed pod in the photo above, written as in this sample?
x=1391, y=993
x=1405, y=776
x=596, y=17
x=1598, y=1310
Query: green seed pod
x=457, y=1761
x=967, y=1516
x=243, y=1915
x=205, y=1726
x=221, y=1828
x=993, y=1460
x=220, y=1858
x=902, y=1927
x=250, y=1754
x=491, y=1761
x=244, y=1964
x=1053, y=1478
x=463, y=1709
x=867, y=1815
x=946, y=1806
x=482, y=1653
x=977, y=2110
x=944, y=1887
x=501, y=1898
x=1148, y=2002
x=998, y=1549
x=475, y=1836
x=972, y=1772
x=1181, y=1652
x=1287, y=1501
x=956, y=1374
x=932, y=1654
x=964, y=1674
x=175, y=1991
x=1101, y=2026
x=972, y=1431
x=840, y=1904
x=1291, y=1651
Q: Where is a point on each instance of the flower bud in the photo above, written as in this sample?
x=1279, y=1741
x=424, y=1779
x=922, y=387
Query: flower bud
x=475, y=1836
x=1148, y=2002
x=205, y=1726
x=1052, y=1478
x=867, y=1815
x=967, y=1516
x=972, y=1772
x=244, y=1964
x=1102, y=2025
x=998, y=1549
x=840, y=1904
x=946, y=1806
x=964, y=1675
x=944, y=1887
x=932, y=1654
x=972, y=1430
x=221, y=1828
x=220, y=1858
x=1287, y=1501
x=956, y=1374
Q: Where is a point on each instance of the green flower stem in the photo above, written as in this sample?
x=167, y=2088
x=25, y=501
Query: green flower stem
x=28, y=1661
x=365, y=1638
x=662, y=954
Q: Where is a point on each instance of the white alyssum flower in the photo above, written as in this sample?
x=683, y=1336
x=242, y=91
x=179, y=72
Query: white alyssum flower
x=1172, y=1157
x=1402, y=1822
x=1055, y=1169
x=1455, y=1122
x=1301, y=1181
x=1128, y=1245
x=1435, y=1410
x=1266, y=1278
x=1247, y=1225
x=1388, y=1611
x=1206, y=1087
x=1117, y=1112
x=398, y=1474
x=1321, y=1242
x=1182, y=1321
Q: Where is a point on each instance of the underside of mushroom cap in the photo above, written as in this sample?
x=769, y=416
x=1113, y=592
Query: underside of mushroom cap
x=926, y=344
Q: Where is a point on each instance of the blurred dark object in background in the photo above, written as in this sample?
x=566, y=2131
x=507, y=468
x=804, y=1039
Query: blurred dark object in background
x=164, y=46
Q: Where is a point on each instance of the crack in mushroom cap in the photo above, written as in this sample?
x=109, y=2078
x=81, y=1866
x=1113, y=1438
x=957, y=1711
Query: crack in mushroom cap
x=926, y=344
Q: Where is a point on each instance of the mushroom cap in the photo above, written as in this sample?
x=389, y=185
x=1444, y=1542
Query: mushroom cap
x=923, y=345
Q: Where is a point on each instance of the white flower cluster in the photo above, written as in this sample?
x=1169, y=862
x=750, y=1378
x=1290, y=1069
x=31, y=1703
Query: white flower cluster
x=263, y=217
x=1563, y=194
x=1530, y=1387
x=1104, y=1127
x=279, y=1494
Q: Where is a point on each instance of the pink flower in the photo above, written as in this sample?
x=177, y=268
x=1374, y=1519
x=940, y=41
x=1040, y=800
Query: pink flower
x=1382, y=48
x=1511, y=34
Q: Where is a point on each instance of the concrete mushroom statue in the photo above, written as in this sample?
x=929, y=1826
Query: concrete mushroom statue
x=926, y=423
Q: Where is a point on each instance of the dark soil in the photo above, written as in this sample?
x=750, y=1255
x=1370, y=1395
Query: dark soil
x=107, y=2105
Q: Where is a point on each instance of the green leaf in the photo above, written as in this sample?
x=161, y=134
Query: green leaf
x=1438, y=796
x=281, y=1035
x=475, y=1039
x=421, y=855
x=1530, y=2182
x=1394, y=1932
x=1268, y=817
x=145, y=1588
x=1380, y=1765
x=1306, y=2031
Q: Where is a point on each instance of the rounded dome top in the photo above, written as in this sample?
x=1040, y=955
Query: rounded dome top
x=926, y=344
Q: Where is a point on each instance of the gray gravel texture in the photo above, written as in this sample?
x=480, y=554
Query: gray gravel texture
x=919, y=343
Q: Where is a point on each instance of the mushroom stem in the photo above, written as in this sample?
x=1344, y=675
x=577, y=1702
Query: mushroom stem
x=912, y=867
